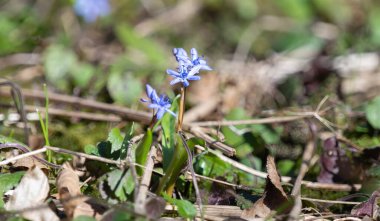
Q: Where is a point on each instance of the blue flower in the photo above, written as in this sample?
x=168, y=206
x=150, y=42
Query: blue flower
x=160, y=104
x=188, y=67
x=90, y=10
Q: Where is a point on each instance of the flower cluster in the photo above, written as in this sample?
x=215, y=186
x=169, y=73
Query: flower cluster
x=90, y=10
x=160, y=104
x=188, y=68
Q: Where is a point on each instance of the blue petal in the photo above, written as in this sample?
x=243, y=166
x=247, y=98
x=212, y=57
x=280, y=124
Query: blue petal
x=160, y=113
x=173, y=73
x=175, y=81
x=206, y=67
x=154, y=106
x=194, y=54
x=171, y=112
x=186, y=83
x=143, y=100
x=149, y=90
x=194, y=70
x=194, y=78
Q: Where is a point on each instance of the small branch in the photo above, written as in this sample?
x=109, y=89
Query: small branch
x=24, y=155
x=306, y=160
x=227, y=150
x=330, y=201
x=269, y=120
x=125, y=113
x=87, y=156
x=144, y=185
x=191, y=168
x=26, y=150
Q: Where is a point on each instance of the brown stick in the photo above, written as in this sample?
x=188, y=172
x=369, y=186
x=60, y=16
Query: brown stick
x=306, y=159
x=144, y=184
x=181, y=108
x=125, y=113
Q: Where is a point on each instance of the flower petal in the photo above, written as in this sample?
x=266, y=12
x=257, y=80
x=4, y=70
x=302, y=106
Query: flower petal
x=143, y=100
x=186, y=83
x=194, y=78
x=194, y=70
x=194, y=54
x=173, y=73
x=171, y=112
x=149, y=90
x=175, y=81
x=154, y=106
x=160, y=113
x=206, y=67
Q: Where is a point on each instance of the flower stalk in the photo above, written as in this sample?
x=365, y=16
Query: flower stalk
x=181, y=108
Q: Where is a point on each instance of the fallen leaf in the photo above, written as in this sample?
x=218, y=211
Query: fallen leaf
x=31, y=192
x=367, y=208
x=340, y=165
x=29, y=162
x=155, y=207
x=273, y=199
x=221, y=194
x=69, y=189
x=90, y=208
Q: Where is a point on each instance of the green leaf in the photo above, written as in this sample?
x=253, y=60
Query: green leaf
x=372, y=112
x=115, y=137
x=168, y=134
x=84, y=218
x=82, y=74
x=124, y=88
x=374, y=171
x=91, y=149
x=153, y=52
x=142, y=150
x=7, y=182
x=121, y=183
x=185, y=208
x=4, y=139
x=58, y=61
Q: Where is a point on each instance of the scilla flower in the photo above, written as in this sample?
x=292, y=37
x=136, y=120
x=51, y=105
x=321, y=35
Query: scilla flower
x=160, y=104
x=90, y=10
x=188, y=68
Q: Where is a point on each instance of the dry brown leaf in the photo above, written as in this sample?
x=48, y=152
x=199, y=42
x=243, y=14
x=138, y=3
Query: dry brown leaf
x=69, y=189
x=273, y=199
x=32, y=192
x=29, y=162
x=89, y=208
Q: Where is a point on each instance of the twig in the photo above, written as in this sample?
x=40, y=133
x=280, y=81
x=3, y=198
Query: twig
x=214, y=210
x=306, y=159
x=78, y=114
x=286, y=179
x=19, y=104
x=239, y=165
x=330, y=201
x=269, y=120
x=144, y=184
x=227, y=150
x=24, y=155
x=125, y=113
x=87, y=156
x=26, y=150
x=191, y=168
